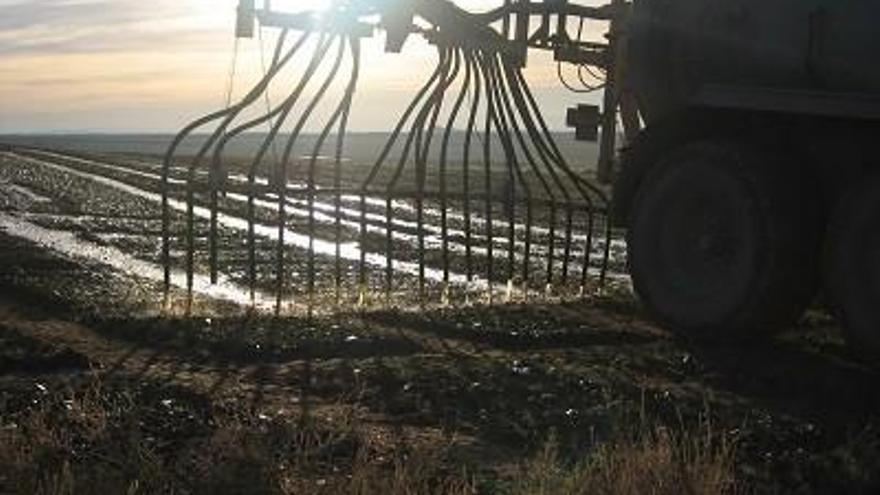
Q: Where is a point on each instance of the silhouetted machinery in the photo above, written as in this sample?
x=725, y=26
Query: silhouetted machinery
x=756, y=173
x=747, y=171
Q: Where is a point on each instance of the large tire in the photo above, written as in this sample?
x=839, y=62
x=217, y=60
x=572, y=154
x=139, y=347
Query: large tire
x=723, y=241
x=639, y=156
x=853, y=266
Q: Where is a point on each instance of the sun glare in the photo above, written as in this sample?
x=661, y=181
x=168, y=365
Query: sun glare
x=221, y=12
x=299, y=5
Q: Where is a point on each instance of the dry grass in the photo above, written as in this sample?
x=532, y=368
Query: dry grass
x=657, y=462
x=92, y=441
x=85, y=443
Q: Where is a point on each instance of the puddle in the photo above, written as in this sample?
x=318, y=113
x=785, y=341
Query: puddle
x=347, y=251
x=432, y=240
x=69, y=244
x=476, y=219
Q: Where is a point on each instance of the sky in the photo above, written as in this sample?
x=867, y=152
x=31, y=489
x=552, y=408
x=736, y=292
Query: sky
x=153, y=65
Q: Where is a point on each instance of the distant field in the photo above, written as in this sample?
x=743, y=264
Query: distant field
x=360, y=147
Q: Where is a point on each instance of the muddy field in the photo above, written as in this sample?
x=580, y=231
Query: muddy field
x=114, y=203
x=96, y=383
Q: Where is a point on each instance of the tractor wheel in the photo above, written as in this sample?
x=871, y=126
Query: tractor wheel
x=853, y=266
x=723, y=242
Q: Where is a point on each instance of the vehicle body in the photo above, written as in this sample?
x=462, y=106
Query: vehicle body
x=754, y=178
x=748, y=181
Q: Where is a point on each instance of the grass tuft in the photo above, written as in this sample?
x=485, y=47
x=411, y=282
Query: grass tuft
x=653, y=461
x=99, y=441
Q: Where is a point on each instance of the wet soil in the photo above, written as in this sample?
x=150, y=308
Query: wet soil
x=500, y=380
x=94, y=210
x=493, y=382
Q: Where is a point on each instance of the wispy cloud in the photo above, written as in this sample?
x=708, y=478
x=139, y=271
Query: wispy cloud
x=153, y=64
x=19, y=14
x=68, y=61
x=63, y=26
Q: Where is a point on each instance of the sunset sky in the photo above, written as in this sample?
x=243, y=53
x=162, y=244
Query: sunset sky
x=150, y=66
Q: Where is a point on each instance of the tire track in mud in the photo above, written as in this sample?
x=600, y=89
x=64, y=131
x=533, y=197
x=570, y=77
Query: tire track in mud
x=475, y=217
x=69, y=244
x=348, y=251
x=228, y=290
x=352, y=216
x=350, y=219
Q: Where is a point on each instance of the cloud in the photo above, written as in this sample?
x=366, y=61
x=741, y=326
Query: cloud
x=152, y=64
x=69, y=61
x=61, y=26
x=21, y=14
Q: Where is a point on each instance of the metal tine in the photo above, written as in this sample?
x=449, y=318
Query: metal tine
x=418, y=123
x=374, y=171
x=252, y=97
x=423, y=148
x=323, y=46
x=503, y=84
x=281, y=111
x=469, y=132
x=487, y=176
x=166, y=171
x=584, y=187
x=555, y=157
x=444, y=148
x=524, y=117
x=503, y=128
x=280, y=273
x=166, y=213
x=511, y=162
x=566, y=253
x=543, y=153
x=580, y=183
x=251, y=176
x=389, y=251
x=588, y=249
x=341, y=109
x=219, y=131
x=547, y=160
x=512, y=116
x=190, y=238
x=389, y=210
x=337, y=174
x=547, y=147
x=551, y=250
x=606, y=255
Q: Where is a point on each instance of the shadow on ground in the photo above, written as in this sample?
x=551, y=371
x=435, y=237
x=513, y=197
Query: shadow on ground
x=496, y=382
